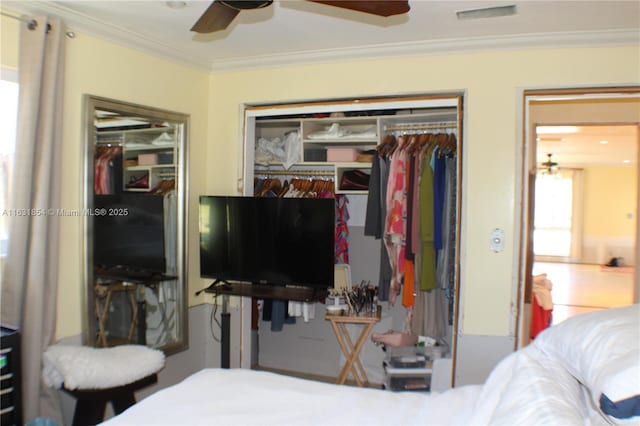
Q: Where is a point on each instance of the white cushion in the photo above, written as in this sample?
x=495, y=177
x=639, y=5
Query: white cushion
x=84, y=367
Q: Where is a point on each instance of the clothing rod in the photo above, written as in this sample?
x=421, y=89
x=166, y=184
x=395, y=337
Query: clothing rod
x=294, y=172
x=422, y=126
x=110, y=144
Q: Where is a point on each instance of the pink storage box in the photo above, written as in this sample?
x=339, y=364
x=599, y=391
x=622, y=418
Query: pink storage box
x=339, y=155
x=147, y=159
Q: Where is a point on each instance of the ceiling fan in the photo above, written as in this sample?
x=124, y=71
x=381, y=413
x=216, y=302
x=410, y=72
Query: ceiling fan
x=222, y=12
x=549, y=166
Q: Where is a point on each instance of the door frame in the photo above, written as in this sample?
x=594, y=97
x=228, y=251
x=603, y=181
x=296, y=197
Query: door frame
x=526, y=169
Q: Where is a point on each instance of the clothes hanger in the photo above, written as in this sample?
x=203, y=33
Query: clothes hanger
x=388, y=142
x=408, y=147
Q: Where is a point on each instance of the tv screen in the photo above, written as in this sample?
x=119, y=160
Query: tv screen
x=280, y=241
x=130, y=233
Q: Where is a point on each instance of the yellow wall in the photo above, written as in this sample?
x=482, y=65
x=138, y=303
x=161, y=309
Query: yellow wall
x=8, y=42
x=491, y=81
x=609, y=197
x=99, y=68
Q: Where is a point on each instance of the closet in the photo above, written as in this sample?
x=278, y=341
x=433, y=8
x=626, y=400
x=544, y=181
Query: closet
x=338, y=148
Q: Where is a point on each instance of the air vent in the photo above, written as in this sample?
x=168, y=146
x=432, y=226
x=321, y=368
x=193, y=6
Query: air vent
x=487, y=12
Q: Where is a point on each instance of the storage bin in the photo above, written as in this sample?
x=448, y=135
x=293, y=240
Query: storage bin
x=165, y=158
x=318, y=154
x=408, y=382
x=147, y=159
x=342, y=155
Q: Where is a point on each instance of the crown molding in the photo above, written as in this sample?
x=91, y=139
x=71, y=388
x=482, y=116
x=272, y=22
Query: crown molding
x=435, y=47
x=85, y=24
x=82, y=23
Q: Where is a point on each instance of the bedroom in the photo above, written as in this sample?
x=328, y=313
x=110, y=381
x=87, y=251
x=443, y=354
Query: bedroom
x=492, y=80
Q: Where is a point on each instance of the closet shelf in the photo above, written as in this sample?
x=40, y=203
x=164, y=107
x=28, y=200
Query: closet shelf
x=150, y=148
x=326, y=139
x=340, y=141
x=154, y=130
x=150, y=167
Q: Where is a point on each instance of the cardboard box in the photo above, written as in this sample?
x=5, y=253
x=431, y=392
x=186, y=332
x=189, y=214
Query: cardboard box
x=342, y=155
x=147, y=159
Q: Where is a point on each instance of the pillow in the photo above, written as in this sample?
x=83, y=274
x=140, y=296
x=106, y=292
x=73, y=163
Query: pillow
x=620, y=397
x=602, y=350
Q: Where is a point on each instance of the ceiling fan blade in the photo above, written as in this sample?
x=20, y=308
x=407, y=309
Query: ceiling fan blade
x=373, y=7
x=217, y=17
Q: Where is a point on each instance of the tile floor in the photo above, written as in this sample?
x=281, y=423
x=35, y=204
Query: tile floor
x=580, y=288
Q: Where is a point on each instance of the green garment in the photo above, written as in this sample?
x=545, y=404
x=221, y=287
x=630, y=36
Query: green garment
x=428, y=253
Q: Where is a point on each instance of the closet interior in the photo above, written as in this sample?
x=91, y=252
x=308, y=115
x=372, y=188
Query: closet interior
x=393, y=165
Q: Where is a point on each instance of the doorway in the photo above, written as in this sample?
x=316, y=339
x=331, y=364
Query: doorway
x=580, y=201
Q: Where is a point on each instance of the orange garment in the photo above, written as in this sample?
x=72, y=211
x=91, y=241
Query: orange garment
x=408, y=290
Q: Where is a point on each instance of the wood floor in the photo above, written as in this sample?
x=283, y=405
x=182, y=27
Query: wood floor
x=578, y=289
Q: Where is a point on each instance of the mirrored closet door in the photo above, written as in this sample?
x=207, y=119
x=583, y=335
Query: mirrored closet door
x=134, y=245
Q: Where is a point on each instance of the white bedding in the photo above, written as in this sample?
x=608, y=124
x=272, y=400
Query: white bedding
x=238, y=396
x=530, y=386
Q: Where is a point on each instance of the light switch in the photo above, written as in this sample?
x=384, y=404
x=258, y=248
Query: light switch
x=497, y=240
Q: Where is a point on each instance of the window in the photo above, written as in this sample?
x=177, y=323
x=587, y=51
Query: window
x=8, y=119
x=558, y=214
x=552, y=232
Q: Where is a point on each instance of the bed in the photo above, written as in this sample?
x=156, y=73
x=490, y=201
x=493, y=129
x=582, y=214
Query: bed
x=586, y=370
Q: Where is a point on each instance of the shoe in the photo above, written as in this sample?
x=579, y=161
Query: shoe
x=141, y=182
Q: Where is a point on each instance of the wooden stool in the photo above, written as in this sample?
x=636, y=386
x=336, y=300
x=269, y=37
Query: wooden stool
x=95, y=376
x=91, y=403
x=104, y=294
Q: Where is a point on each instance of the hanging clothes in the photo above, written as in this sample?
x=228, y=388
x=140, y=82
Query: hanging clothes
x=108, y=170
x=408, y=290
x=376, y=214
x=395, y=238
x=419, y=232
x=427, y=252
x=342, y=230
x=445, y=268
x=438, y=196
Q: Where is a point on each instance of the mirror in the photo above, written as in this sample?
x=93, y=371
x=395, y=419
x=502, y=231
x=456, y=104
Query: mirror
x=135, y=224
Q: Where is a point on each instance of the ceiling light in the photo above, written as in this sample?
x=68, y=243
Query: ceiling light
x=176, y=4
x=626, y=161
x=487, y=12
x=556, y=129
x=603, y=142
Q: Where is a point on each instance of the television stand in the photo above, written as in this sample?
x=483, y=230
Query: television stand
x=268, y=291
x=260, y=291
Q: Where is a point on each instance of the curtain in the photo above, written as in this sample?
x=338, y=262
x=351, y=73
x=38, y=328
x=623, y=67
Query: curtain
x=29, y=288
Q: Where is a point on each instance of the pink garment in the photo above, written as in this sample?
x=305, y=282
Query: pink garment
x=396, y=221
x=415, y=214
x=342, y=230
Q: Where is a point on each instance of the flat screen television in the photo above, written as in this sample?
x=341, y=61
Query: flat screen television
x=278, y=241
x=129, y=236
